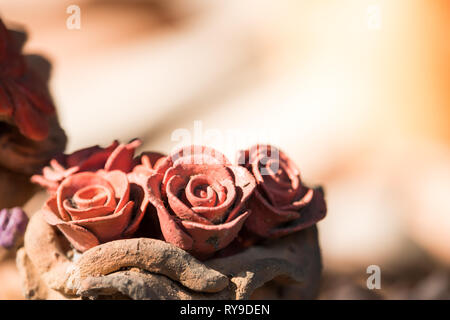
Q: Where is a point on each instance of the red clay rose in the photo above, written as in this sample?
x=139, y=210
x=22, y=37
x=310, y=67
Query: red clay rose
x=96, y=207
x=281, y=204
x=114, y=157
x=200, y=199
x=24, y=98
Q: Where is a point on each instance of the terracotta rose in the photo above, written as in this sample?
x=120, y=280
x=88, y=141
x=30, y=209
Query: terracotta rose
x=90, y=208
x=281, y=204
x=114, y=157
x=200, y=199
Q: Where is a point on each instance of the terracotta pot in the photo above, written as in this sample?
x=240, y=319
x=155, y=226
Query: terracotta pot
x=144, y=268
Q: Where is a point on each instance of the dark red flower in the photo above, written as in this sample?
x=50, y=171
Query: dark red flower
x=24, y=98
x=90, y=208
x=200, y=199
x=114, y=157
x=281, y=204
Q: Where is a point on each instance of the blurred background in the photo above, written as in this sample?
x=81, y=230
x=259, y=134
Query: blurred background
x=357, y=92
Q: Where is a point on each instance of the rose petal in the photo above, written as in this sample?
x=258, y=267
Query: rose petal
x=6, y=105
x=63, y=165
x=143, y=166
x=52, y=174
x=302, y=202
x=273, y=222
x=197, y=196
x=140, y=198
x=122, y=157
x=174, y=186
x=111, y=227
x=91, y=196
x=172, y=232
x=214, y=172
x=199, y=155
x=245, y=186
x=30, y=122
x=309, y=215
x=211, y=238
x=218, y=213
x=121, y=185
x=30, y=86
x=91, y=159
x=48, y=184
x=72, y=184
x=81, y=238
x=150, y=159
x=86, y=213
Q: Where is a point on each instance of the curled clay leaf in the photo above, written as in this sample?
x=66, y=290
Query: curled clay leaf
x=154, y=256
x=295, y=258
x=159, y=270
x=140, y=285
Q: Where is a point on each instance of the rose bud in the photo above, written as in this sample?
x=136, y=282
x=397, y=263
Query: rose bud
x=200, y=199
x=13, y=223
x=90, y=208
x=114, y=157
x=281, y=204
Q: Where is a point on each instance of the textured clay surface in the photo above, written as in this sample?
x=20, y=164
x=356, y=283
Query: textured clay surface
x=144, y=268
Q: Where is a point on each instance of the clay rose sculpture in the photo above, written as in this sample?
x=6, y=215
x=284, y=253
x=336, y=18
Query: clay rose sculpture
x=114, y=157
x=90, y=208
x=29, y=130
x=200, y=199
x=281, y=204
x=93, y=200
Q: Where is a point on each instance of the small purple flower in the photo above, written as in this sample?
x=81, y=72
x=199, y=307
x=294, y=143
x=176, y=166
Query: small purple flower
x=13, y=223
